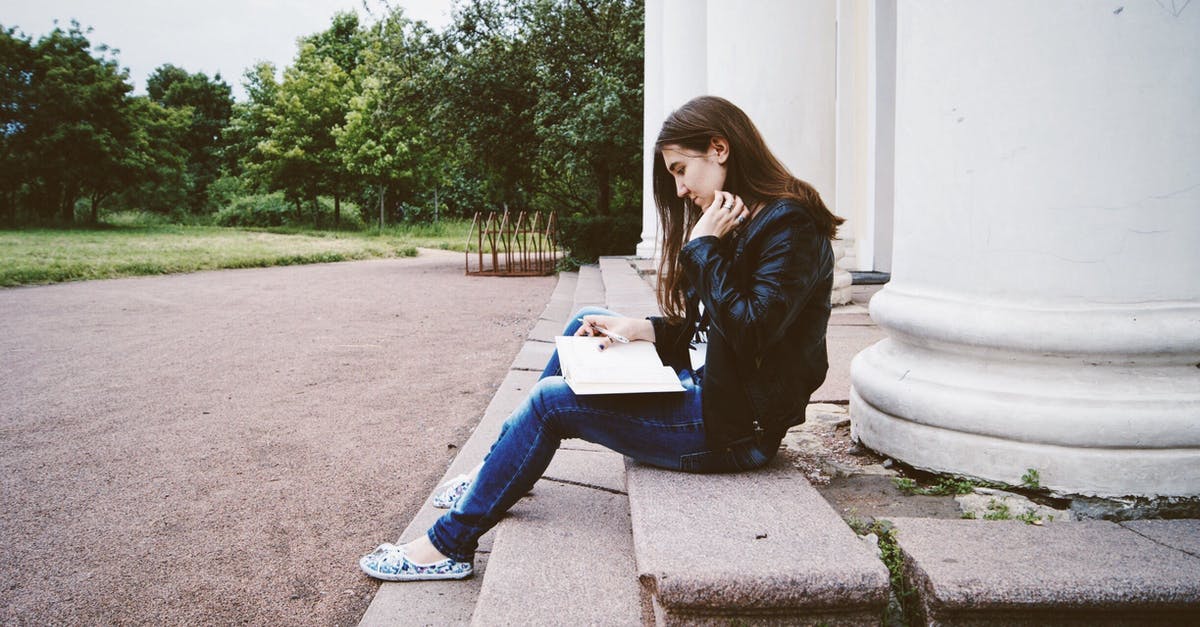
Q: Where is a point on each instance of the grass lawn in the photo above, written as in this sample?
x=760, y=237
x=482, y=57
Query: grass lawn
x=38, y=256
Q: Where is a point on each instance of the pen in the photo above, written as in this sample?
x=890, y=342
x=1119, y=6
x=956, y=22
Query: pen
x=616, y=336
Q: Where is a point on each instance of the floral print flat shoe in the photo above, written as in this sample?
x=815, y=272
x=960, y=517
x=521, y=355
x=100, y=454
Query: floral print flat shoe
x=449, y=493
x=389, y=563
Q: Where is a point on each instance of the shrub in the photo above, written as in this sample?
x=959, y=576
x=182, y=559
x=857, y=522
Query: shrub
x=588, y=237
x=225, y=190
x=350, y=217
x=134, y=219
x=261, y=210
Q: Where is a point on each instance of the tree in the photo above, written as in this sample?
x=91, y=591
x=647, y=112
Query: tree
x=76, y=128
x=210, y=105
x=16, y=73
x=385, y=140
x=299, y=154
x=488, y=99
x=301, y=149
x=524, y=104
x=589, y=112
x=548, y=93
x=250, y=126
x=156, y=165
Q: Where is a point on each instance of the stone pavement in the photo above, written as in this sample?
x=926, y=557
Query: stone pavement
x=605, y=541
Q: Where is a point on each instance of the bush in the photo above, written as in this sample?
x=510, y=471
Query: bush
x=588, y=237
x=226, y=190
x=272, y=210
x=261, y=210
x=134, y=219
x=350, y=219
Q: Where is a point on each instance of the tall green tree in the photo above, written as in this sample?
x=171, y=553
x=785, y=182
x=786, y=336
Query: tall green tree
x=300, y=155
x=548, y=94
x=488, y=99
x=209, y=103
x=16, y=73
x=301, y=149
x=250, y=126
x=386, y=139
x=156, y=166
x=77, y=129
x=589, y=101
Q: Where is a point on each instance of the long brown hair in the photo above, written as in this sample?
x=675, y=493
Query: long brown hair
x=752, y=173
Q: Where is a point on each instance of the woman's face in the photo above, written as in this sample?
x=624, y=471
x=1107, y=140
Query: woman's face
x=698, y=176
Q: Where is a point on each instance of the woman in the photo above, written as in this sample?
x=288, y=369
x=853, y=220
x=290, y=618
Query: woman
x=744, y=239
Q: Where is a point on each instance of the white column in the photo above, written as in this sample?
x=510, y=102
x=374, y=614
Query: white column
x=881, y=101
x=676, y=70
x=652, y=86
x=777, y=60
x=1044, y=310
x=854, y=184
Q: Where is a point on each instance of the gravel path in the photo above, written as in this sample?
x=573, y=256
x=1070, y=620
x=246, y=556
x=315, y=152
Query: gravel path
x=220, y=447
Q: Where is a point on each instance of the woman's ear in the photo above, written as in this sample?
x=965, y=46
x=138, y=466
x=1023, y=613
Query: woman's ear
x=719, y=148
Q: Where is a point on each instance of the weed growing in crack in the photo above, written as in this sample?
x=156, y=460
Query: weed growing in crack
x=943, y=487
x=893, y=559
x=997, y=511
x=1031, y=479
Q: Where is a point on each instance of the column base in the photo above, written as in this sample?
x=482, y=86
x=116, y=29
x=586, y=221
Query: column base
x=1109, y=473
x=1090, y=431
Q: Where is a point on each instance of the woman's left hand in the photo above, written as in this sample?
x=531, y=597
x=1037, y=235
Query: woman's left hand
x=721, y=217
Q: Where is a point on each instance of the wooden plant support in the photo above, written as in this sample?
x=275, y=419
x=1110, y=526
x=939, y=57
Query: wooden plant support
x=506, y=247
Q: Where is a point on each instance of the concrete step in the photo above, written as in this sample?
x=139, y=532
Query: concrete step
x=582, y=289
x=564, y=555
x=454, y=602
x=563, y=298
x=760, y=547
x=970, y=572
x=589, y=291
x=625, y=291
x=450, y=602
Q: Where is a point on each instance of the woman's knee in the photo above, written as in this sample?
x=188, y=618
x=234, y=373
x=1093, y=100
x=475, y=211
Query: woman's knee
x=548, y=394
x=545, y=396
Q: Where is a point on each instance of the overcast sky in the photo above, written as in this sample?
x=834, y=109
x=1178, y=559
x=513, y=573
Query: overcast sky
x=210, y=36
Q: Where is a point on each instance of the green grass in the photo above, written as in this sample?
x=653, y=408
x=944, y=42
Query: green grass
x=130, y=247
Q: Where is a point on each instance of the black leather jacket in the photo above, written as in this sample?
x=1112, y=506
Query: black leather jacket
x=766, y=299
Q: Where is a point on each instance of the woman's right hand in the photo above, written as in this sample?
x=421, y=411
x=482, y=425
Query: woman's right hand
x=632, y=328
x=717, y=219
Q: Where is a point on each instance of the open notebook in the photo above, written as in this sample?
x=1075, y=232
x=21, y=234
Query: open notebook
x=620, y=369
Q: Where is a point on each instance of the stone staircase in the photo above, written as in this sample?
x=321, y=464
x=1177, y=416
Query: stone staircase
x=707, y=547
x=602, y=540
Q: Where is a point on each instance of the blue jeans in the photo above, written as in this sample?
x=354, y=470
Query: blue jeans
x=661, y=429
